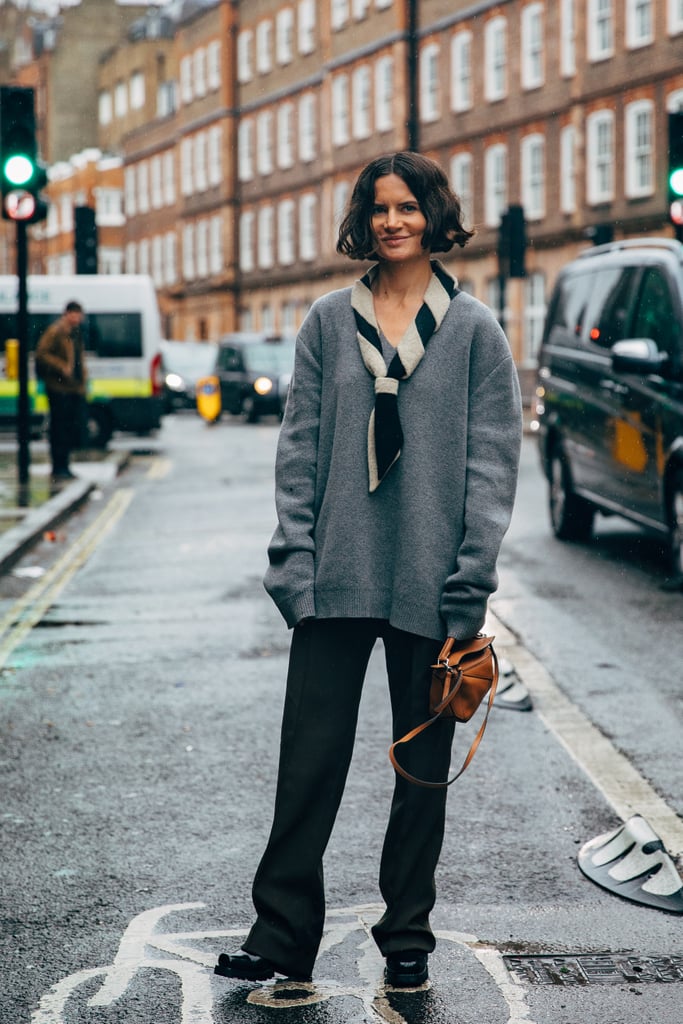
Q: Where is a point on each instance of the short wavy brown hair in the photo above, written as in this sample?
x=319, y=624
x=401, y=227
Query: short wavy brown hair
x=428, y=183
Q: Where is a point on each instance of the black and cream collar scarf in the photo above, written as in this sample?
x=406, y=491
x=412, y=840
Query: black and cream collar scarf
x=385, y=437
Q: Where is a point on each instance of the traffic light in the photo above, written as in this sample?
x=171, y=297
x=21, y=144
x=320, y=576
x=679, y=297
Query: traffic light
x=22, y=175
x=85, y=240
x=512, y=243
x=675, y=172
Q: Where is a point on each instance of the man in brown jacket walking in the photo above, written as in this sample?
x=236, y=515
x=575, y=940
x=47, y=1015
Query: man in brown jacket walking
x=61, y=365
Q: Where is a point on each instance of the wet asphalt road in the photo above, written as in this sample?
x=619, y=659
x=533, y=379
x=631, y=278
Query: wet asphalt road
x=138, y=720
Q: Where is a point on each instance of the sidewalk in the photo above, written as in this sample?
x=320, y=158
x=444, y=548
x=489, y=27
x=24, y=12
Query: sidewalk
x=27, y=511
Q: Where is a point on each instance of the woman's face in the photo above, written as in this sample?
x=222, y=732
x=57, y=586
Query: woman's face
x=397, y=222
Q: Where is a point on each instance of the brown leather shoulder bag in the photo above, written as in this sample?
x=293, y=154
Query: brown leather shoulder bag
x=461, y=678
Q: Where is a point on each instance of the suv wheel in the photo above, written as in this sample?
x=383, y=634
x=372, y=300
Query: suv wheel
x=571, y=517
x=676, y=517
x=249, y=409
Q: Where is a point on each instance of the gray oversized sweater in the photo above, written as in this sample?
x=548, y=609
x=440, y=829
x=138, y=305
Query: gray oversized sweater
x=421, y=550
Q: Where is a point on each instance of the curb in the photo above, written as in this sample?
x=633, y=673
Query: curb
x=15, y=542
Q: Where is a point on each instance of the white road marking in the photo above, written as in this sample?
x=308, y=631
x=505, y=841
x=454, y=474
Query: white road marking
x=28, y=610
x=616, y=778
x=141, y=943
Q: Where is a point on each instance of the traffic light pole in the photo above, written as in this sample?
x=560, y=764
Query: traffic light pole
x=23, y=412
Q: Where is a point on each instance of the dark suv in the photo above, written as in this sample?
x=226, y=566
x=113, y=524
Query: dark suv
x=609, y=401
x=254, y=370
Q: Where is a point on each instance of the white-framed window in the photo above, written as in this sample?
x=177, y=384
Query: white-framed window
x=110, y=260
x=534, y=316
x=341, y=113
x=169, y=177
x=109, y=207
x=306, y=26
x=308, y=135
x=286, y=233
x=639, y=155
x=532, y=70
x=245, y=150
x=384, y=94
x=129, y=190
x=600, y=30
x=136, y=90
x=131, y=258
x=120, y=99
x=143, y=256
x=170, y=267
x=216, y=245
x=158, y=260
x=200, y=169
x=264, y=142
x=288, y=315
x=382, y=4
x=267, y=317
x=308, y=238
x=461, y=71
x=600, y=157
x=496, y=183
x=199, y=69
x=186, y=94
x=340, y=199
x=188, y=252
x=339, y=13
x=213, y=64
x=361, y=102
x=674, y=17
x=245, y=45
x=247, y=240
x=104, y=108
x=264, y=46
x=186, y=159
x=568, y=165
x=568, y=38
x=284, y=36
x=266, y=224
x=639, y=23
x=533, y=176
x=495, y=58
x=360, y=9
x=66, y=213
x=461, y=182
x=143, y=187
x=430, y=82
x=166, y=98
x=285, y=135
x=202, y=246
x=493, y=296
x=157, y=183
x=215, y=155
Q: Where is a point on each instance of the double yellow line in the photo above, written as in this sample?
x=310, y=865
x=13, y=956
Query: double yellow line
x=29, y=610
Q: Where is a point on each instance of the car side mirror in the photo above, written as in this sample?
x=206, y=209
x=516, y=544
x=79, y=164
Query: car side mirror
x=638, y=355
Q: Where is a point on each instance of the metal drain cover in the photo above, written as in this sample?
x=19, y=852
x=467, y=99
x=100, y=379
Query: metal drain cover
x=594, y=968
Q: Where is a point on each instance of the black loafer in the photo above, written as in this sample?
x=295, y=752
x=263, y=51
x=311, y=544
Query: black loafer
x=407, y=970
x=252, y=968
x=242, y=965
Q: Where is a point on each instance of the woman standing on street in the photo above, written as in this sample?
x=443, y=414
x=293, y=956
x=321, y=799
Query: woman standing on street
x=395, y=480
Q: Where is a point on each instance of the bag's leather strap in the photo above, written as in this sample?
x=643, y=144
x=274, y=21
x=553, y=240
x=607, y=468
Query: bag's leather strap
x=425, y=725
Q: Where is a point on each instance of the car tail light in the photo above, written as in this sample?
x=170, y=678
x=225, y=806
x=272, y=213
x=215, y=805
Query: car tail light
x=156, y=375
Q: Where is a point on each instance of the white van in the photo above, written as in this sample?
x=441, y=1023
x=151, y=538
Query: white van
x=122, y=338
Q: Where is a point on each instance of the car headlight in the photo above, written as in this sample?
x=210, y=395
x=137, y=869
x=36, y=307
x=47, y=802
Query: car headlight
x=263, y=385
x=174, y=381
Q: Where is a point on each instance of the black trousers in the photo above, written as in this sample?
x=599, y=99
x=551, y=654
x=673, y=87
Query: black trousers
x=328, y=662
x=66, y=427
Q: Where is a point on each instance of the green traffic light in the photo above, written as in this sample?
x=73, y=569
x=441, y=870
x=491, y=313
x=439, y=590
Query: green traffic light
x=18, y=169
x=676, y=181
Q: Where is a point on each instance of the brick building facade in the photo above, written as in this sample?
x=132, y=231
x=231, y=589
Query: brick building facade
x=254, y=118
